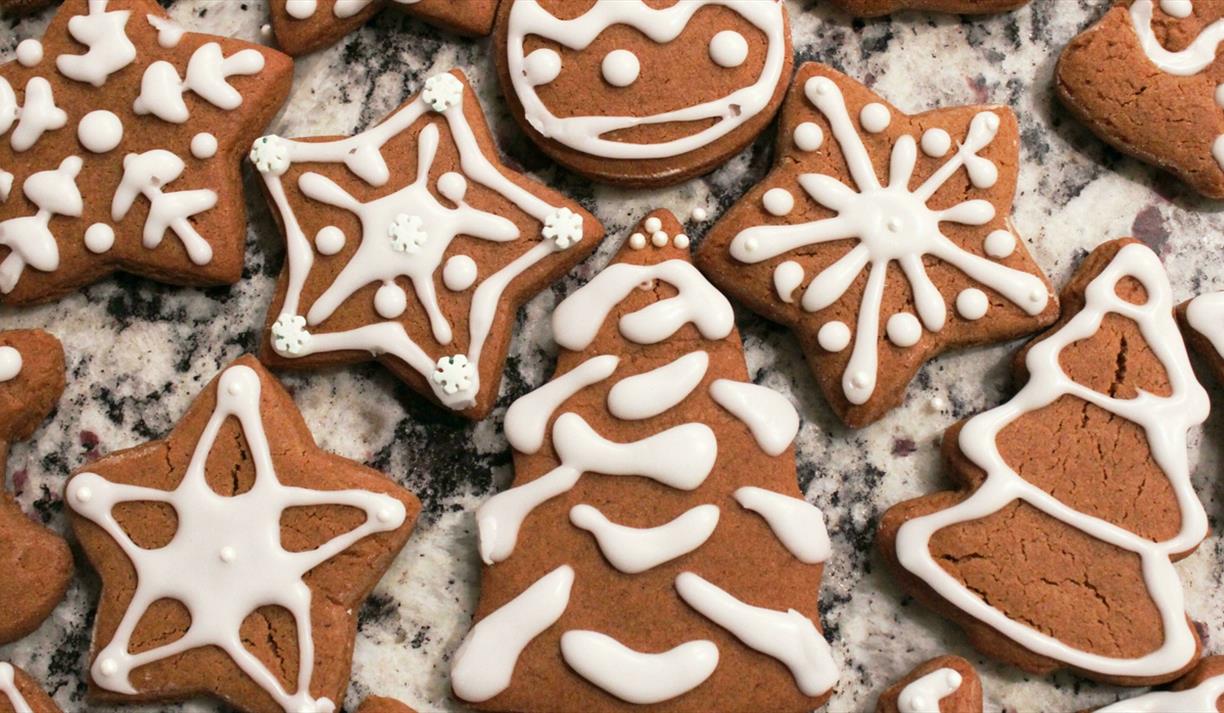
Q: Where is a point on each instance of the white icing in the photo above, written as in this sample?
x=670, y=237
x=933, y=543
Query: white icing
x=658, y=239
x=29, y=52
x=1205, y=315
x=100, y=131
x=221, y=591
x=484, y=663
x=1164, y=419
x=1203, y=698
x=728, y=48
x=633, y=549
x=527, y=418
x=662, y=25
x=637, y=241
x=146, y=175
x=162, y=90
x=1177, y=8
x=543, y=66
x=923, y=694
x=699, y=214
x=37, y=116
x=329, y=240
x=1195, y=58
x=875, y=117
x=99, y=238
x=620, y=68
x=169, y=32
x=653, y=224
x=634, y=676
x=110, y=50
x=903, y=329
x=203, y=145
x=459, y=273
x=681, y=241
x=29, y=238
x=1000, y=244
x=936, y=143
x=778, y=201
x=301, y=9
x=787, y=636
x=808, y=136
x=833, y=336
x=972, y=304
x=890, y=223
x=769, y=416
x=10, y=363
x=787, y=278
x=798, y=524
x=8, y=687
x=652, y=392
x=390, y=300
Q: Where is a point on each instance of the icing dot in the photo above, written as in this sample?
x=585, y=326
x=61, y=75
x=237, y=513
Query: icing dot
x=329, y=240
x=83, y=495
x=653, y=225
x=681, y=241
x=10, y=363
x=234, y=389
x=1000, y=244
x=728, y=49
x=808, y=136
x=620, y=68
x=875, y=117
x=699, y=214
x=459, y=273
x=833, y=336
x=637, y=241
x=390, y=300
x=100, y=131
x=203, y=145
x=936, y=143
x=109, y=667
x=1217, y=150
x=265, y=31
x=228, y=554
x=1177, y=8
x=542, y=66
x=99, y=238
x=778, y=201
x=300, y=9
x=658, y=239
x=453, y=186
x=858, y=380
x=386, y=515
x=29, y=52
x=1219, y=96
x=972, y=304
x=751, y=244
x=903, y=329
x=787, y=277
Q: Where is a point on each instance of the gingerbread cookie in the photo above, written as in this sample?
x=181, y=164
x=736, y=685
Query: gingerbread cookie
x=1145, y=79
x=35, y=562
x=122, y=140
x=947, y=684
x=1202, y=321
x=20, y=694
x=606, y=87
x=378, y=704
x=234, y=555
x=882, y=239
x=302, y=26
x=1201, y=691
x=17, y=8
x=1075, y=498
x=688, y=586
x=444, y=221
x=878, y=8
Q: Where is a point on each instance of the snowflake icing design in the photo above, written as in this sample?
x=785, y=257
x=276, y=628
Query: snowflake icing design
x=454, y=373
x=891, y=223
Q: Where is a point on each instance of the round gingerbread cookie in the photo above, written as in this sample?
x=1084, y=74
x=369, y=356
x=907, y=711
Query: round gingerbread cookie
x=610, y=88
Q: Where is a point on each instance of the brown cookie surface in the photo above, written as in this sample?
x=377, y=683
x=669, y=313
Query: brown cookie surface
x=1200, y=690
x=234, y=555
x=877, y=8
x=881, y=238
x=947, y=684
x=1139, y=80
x=411, y=243
x=1056, y=551
x=21, y=694
x=303, y=26
x=36, y=562
x=379, y=704
x=654, y=527
x=606, y=88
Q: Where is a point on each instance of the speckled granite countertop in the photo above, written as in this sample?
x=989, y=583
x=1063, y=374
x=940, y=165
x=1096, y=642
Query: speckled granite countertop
x=139, y=352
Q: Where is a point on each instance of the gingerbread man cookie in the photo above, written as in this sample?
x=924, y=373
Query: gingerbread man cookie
x=1201, y=691
x=234, y=555
x=946, y=684
x=20, y=694
x=35, y=562
x=1075, y=498
x=878, y=8
x=882, y=239
x=302, y=26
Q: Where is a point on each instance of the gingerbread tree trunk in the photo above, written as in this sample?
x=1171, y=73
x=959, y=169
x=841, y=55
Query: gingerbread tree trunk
x=654, y=548
x=1058, y=552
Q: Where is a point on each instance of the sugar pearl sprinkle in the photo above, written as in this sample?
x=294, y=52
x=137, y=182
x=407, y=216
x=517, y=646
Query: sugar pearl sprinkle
x=652, y=233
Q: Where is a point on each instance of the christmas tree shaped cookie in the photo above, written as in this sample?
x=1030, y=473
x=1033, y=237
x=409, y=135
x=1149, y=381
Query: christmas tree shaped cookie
x=20, y=694
x=234, y=555
x=881, y=238
x=654, y=549
x=945, y=684
x=303, y=26
x=410, y=243
x=120, y=143
x=35, y=563
x=1075, y=498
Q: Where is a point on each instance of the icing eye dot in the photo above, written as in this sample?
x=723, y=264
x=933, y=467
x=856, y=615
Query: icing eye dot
x=99, y=238
x=203, y=145
x=620, y=68
x=329, y=240
x=390, y=300
x=29, y=52
x=1000, y=244
x=453, y=186
x=833, y=336
x=637, y=241
x=778, y=201
x=875, y=117
x=808, y=136
x=972, y=304
x=459, y=273
x=787, y=277
x=728, y=49
x=100, y=131
x=903, y=329
x=936, y=143
x=542, y=66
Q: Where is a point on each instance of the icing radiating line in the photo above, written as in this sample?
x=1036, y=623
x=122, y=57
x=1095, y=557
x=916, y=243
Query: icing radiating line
x=798, y=524
x=527, y=419
x=637, y=549
x=634, y=676
x=769, y=416
x=650, y=393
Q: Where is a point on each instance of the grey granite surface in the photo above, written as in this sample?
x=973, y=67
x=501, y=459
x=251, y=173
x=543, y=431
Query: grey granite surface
x=139, y=352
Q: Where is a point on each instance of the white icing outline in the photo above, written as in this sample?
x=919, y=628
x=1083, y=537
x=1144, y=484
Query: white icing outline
x=1203, y=698
x=1205, y=315
x=923, y=694
x=634, y=676
x=8, y=687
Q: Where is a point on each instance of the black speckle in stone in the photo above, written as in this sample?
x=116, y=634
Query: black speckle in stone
x=421, y=638
x=377, y=609
x=66, y=660
x=48, y=505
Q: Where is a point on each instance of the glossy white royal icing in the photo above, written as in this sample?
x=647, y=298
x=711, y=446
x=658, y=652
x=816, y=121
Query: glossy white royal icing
x=146, y=174
x=923, y=694
x=225, y=560
x=769, y=416
x=29, y=238
x=1205, y=315
x=650, y=393
x=10, y=363
x=1203, y=698
x=110, y=50
x=662, y=25
x=798, y=524
x=304, y=9
x=634, y=676
x=637, y=549
x=8, y=687
x=162, y=90
x=1164, y=419
x=891, y=223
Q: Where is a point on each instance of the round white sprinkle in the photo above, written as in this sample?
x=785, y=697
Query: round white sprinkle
x=653, y=225
x=778, y=201
x=203, y=145
x=681, y=241
x=808, y=136
x=699, y=214
x=29, y=52
x=109, y=667
x=999, y=244
x=833, y=336
x=329, y=240
x=459, y=273
x=637, y=241
x=903, y=329
x=228, y=554
x=390, y=300
x=99, y=238
x=100, y=131
x=658, y=239
x=620, y=68
x=875, y=117
x=972, y=304
x=937, y=404
x=936, y=143
x=728, y=49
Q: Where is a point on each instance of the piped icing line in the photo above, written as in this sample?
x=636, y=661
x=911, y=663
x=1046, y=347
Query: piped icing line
x=787, y=636
x=527, y=419
x=8, y=687
x=35, y=117
x=1205, y=315
x=110, y=50
x=29, y=238
x=485, y=661
x=891, y=223
x=923, y=694
x=10, y=363
x=662, y=25
x=578, y=319
x=637, y=549
x=769, y=416
x=798, y=524
x=404, y=234
x=634, y=676
x=650, y=393
x=341, y=9
x=1203, y=698
x=225, y=560
x=680, y=457
x=1165, y=421
x=162, y=89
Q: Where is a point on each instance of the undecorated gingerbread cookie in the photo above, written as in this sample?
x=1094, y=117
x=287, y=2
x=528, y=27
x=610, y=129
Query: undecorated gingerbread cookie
x=303, y=26
x=234, y=555
x=877, y=8
x=20, y=694
x=35, y=563
x=640, y=93
x=1200, y=691
x=882, y=239
x=1074, y=496
x=411, y=243
x=946, y=684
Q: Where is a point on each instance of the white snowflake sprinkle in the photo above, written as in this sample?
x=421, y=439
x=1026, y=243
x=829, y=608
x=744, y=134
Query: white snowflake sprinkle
x=442, y=91
x=270, y=154
x=454, y=373
x=564, y=227
x=289, y=335
x=406, y=233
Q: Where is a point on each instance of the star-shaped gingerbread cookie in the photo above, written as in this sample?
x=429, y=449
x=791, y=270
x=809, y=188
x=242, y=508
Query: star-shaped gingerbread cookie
x=303, y=26
x=878, y=8
x=120, y=143
x=234, y=555
x=882, y=239
x=35, y=563
x=412, y=244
